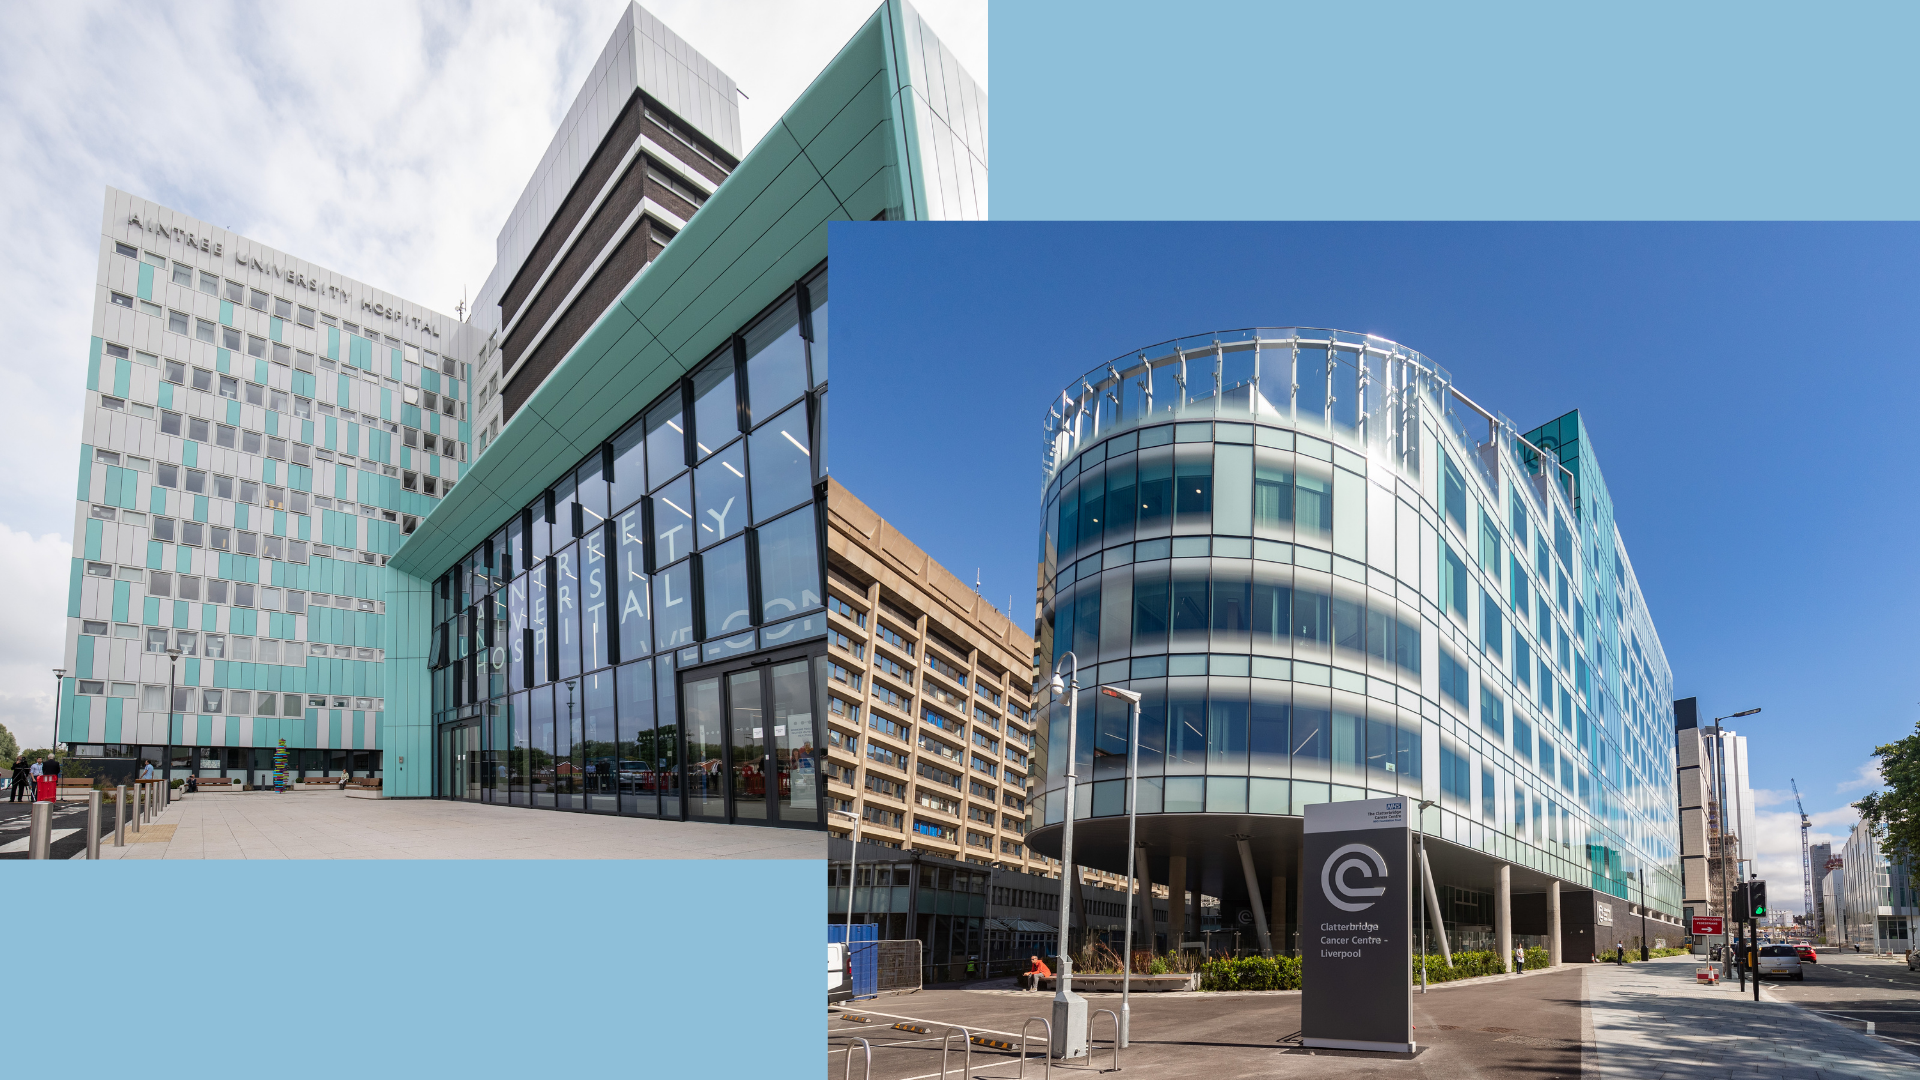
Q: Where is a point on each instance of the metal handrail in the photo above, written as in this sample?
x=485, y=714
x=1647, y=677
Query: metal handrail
x=867, y=1048
x=1116, y=1038
x=966, y=1042
x=1046, y=1057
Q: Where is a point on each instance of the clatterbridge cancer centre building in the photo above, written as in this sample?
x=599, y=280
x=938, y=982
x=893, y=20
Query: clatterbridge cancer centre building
x=564, y=553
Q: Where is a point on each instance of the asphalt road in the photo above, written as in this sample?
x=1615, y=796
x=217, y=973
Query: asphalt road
x=69, y=818
x=1519, y=1027
x=1856, y=988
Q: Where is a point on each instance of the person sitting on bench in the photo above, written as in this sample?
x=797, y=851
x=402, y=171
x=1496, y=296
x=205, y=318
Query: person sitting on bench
x=1036, y=973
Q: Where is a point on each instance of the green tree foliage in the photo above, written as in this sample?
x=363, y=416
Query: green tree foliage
x=1895, y=810
x=9, y=747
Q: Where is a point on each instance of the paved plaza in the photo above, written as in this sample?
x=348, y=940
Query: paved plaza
x=1638, y=1022
x=330, y=825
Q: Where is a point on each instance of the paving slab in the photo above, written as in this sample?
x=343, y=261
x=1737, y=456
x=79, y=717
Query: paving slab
x=1654, y=1020
x=268, y=825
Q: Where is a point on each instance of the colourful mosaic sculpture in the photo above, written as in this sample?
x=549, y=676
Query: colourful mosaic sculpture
x=280, y=767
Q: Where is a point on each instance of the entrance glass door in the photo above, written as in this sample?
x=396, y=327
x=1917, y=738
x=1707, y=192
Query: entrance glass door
x=460, y=761
x=706, y=750
x=751, y=744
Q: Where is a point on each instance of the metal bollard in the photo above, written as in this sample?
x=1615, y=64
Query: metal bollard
x=93, y=824
x=139, y=805
x=120, y=816
x=40, y=831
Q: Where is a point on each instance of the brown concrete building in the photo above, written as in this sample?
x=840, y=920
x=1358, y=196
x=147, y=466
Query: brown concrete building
x=930, y=711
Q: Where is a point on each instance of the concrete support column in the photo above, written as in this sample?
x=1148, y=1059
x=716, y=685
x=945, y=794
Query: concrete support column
x=1553, y=924
x=1503, y=916
x=1177, y=915
x=1277, y=922
x=1253, y=896
x=1143, y=932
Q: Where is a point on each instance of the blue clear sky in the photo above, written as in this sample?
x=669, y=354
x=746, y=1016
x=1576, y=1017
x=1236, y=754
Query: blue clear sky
x=1747, y=388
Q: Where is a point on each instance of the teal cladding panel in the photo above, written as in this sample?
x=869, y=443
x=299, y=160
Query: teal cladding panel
x=122, y=377
x=113, y=729
x=333, y=342
x=76, y=575
x=226, y=313
x=260, y=375
x=156, y=554
x=86, y=473
x=93, y=365
x=150, y=613
x=157, y=500
x=122, y=598
x=233, y=732
x=409, y=728
x=145, y=288
x=83, y=657
x=190, y=454
x=275, y=328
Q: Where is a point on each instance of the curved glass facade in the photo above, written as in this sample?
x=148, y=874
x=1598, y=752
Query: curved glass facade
x=1333, y=576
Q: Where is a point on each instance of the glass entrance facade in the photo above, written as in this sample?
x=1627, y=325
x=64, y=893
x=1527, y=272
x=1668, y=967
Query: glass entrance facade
x=639, y=639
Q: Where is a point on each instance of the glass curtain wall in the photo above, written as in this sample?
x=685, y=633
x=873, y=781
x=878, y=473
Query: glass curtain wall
x=692, y=537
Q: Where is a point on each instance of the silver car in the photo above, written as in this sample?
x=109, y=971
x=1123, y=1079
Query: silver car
x=1780, y=960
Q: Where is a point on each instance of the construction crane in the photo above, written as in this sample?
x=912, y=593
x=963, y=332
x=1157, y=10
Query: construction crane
x=1806, y=861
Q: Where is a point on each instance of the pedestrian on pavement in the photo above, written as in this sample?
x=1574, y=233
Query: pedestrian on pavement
x=1519, y=958
x=1036, y=973
x=146, y=770
x=22, y=780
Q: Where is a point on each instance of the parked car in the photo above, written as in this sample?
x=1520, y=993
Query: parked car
x=1807, y=955
x=1780, y=960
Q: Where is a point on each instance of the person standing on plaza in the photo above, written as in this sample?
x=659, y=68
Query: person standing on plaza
x=22, y=780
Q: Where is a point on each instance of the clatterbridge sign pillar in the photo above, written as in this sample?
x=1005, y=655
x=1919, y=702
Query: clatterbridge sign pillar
x=1356, y=927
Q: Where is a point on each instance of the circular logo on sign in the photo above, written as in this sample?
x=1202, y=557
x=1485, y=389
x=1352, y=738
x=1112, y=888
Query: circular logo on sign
x=1246, y=917
x=1349, y=859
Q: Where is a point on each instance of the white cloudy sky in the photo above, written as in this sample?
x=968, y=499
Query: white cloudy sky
x=385, y=140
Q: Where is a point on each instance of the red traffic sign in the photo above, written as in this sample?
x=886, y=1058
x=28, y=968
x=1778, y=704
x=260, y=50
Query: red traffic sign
x=1704, y=925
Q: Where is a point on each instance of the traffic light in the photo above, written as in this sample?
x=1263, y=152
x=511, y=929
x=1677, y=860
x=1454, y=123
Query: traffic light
x=1757, y=898
x=1740, y=907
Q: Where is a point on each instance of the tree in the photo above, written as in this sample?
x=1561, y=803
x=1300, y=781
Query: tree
x=1896, y=809
x=9, y=748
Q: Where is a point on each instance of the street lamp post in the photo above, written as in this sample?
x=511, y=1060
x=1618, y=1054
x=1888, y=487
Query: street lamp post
x=173, y=667
x=1720, y=816
x=1421, y=903
x=853, y=862
x=1643, y=913
x=1133, y=783
x=59, y=682
x=1069, y=1009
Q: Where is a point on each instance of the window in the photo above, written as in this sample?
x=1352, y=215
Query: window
x=159, y=584
x=282, y=309
x=104, y=513
x=148, y=307
x=99, y=569
x=230, y=338
x=121, y=299
x=178, y=323
x=125, y=250
x=230, y=387
x=1492, y=625
x=225, y=436
x=1492, y=713
x=1454, y=681
x=259, y=302
x=209, y=283
x=198, y=429
x=163, y=529
x=236, y=292
x=256, y=346
x=306, y=316
x=203, y=330
x=107, y=457
x=1453, y=492
x=183, y=274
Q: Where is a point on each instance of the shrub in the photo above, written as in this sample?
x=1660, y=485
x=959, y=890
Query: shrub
x=1251, y=973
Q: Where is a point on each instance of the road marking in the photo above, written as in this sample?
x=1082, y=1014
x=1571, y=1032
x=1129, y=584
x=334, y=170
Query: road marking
x=25, y=842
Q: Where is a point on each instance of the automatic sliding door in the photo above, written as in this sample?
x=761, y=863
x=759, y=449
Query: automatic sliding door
x=706, y=750
x=793, y=745
x=747, y=719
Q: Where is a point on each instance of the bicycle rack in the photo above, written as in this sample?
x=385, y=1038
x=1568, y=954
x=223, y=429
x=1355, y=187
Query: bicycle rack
x=966, y=1043
x=1046, y=1052
x=865, y=1048
x=1116, y=1039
